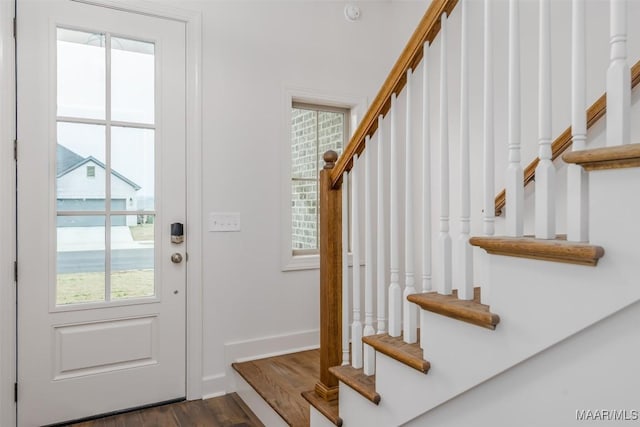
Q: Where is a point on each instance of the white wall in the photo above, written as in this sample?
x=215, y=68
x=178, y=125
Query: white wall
x=593, y=370
x=253, y=52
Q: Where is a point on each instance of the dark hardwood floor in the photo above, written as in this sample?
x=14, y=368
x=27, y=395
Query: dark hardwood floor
x=223, y=411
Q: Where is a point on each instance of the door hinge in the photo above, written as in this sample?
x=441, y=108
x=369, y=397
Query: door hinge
x=15, y=150
x=15, y=392
x=15, y=271
x=15, y=27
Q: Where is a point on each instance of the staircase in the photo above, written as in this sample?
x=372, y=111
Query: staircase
x=441, y=318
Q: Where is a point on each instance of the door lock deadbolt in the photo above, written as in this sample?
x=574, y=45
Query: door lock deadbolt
x=177, y=232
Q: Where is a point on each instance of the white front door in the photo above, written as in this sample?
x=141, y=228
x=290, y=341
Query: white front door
x=101, y=180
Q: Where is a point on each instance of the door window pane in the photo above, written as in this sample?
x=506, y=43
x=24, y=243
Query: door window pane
x=133, y=165
x=80, y=167
x=80, y=259
x=96, y=163
x=81, y=74
x=132, y=80
x=132, y=256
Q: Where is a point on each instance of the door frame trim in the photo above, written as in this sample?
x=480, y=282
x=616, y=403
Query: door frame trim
x=194, y=310
x=7, y=215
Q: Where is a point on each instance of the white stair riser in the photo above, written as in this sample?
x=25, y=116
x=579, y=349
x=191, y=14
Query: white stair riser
x=360, y=411
x=316, y=419
x=257, y=404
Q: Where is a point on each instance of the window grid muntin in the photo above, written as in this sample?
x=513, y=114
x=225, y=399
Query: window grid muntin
x=108, y=124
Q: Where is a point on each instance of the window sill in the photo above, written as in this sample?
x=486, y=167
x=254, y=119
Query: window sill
x=309, y=262
x=302, y=262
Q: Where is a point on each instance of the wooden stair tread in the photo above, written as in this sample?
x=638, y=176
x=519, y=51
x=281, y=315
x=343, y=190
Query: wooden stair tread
x=470, y=311
x=558, y=250
x=280, y=380
x=357, y=380
x=396, y=348
x=616, y=157
x=327, y=408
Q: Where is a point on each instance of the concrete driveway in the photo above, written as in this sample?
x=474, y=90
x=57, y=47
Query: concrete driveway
x=77, y=239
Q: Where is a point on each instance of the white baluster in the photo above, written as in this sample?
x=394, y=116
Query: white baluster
x=381, y=265
x=346, y=308
x=545, y=211
x=369, y=352
x=395, y=294
x=577, y=182
x=489, y=149
x=444, y=239
x=410, y=310
x=489, y=211
x=426, y=175
x=356, y=326
x=618, y=77
x=426, y=189
x=514, y=184
x=465, y=252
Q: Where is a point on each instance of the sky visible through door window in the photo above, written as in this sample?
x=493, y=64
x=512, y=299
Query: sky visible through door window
x=105, y=147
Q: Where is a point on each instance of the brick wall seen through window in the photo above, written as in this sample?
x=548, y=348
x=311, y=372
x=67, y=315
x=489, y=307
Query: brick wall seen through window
x=314, y=130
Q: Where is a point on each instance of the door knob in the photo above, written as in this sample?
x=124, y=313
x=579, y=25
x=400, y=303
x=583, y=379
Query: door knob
x=176, y=258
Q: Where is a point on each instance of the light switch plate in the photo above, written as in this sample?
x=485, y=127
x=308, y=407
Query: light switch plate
x=224, y=221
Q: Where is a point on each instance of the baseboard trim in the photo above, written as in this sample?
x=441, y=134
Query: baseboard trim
x=275, y=345
x=259, y=348
x=214, y=386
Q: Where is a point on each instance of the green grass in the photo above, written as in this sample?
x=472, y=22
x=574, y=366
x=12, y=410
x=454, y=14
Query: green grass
x=76, y=288
x=142, y=232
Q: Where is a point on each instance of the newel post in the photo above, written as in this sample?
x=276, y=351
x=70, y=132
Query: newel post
x=330, y=279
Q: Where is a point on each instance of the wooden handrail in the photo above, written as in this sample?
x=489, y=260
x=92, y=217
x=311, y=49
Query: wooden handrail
x=410, y=57
x=594, y=113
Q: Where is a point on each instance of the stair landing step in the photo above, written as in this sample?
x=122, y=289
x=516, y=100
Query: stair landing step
x=557, y=250
x=327, y=408
x=472, y=311
x=396, y=348
x=615, y=157
x=280, y=380
x=357, y=380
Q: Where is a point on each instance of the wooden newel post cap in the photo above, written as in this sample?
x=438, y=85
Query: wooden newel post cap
x=330, y=157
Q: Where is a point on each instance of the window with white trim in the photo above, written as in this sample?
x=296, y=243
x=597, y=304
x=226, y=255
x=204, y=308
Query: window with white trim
x=315, y=129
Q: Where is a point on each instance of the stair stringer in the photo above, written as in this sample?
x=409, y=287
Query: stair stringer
x=463, y=356
x=540, y=303
x=595, y=369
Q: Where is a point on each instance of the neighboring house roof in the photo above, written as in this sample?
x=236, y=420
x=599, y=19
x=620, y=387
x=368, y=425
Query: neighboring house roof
x=68, y=161
x=65, y=159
